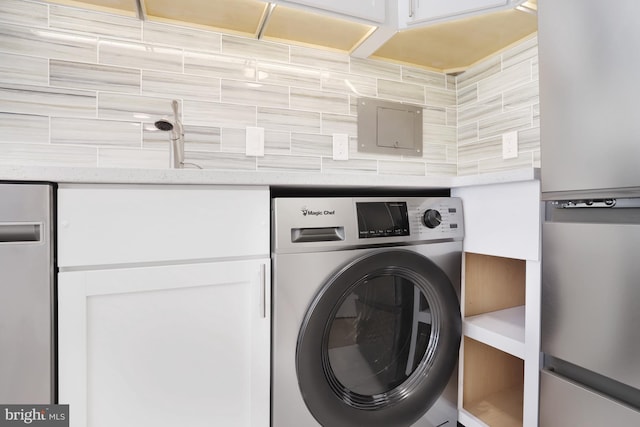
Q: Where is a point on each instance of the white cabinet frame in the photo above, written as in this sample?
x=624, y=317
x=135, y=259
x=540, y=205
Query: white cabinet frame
x=504, y=220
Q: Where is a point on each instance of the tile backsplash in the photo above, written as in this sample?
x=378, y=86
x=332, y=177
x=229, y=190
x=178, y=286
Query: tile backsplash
x=497, y=96
x=83, y=88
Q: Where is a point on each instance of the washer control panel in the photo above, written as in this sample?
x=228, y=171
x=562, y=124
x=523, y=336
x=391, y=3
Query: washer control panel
x=437, y=218
x=432, y=218
x=382, y=219
x=357, y=221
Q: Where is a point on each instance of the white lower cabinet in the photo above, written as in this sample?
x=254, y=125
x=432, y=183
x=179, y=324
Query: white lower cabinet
x=170, y=345
x=164, y=305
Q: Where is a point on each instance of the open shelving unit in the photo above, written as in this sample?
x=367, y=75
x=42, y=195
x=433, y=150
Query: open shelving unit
x=498, y=383
x=494, y=339
x=494, y=305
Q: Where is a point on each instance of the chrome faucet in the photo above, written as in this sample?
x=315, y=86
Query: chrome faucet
x=177, y=136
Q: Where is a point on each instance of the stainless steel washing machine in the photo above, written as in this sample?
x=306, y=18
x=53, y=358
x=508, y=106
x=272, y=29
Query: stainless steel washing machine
x=366, y=312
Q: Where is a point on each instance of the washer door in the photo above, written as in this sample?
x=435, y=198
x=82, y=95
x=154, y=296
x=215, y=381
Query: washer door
x=379, y=342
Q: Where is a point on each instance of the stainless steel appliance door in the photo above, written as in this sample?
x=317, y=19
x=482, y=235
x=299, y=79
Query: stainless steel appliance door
x=379, y=342
x=26, y=295
x=565, y=403
x=591, y=297
x=589, y=63
x=297, y=280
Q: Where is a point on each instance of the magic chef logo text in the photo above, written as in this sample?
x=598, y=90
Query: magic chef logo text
x=309, y=212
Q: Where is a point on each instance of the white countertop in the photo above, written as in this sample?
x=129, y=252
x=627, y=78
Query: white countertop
x=289, y=179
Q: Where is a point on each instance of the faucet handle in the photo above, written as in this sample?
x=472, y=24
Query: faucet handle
x=175, y=106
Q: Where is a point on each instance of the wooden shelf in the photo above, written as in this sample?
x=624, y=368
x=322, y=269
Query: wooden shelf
x=468, y=420
x=493, y=283
x=493, y=390
x=501, y=409
x=503, y=329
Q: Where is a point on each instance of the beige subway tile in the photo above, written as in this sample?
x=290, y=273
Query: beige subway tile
x=79, y=75
x=252, y=93
x=23, y=12
x=47, y=43
x=219, y=65
x=92, y=132
x=181, y=36
x=24, y=128
x=133, y=158
x=219, y=114
x=288, y=120
x=140, y=55
x=271, y=162
x=95, y=22
x=256, y=49
x=183, y=86
x=351, y=166
x=23, y=70
x=47, y=155
x=41, y=100
x=321, y=101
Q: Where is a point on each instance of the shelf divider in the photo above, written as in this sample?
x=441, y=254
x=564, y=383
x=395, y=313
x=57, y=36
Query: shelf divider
x=502, y=329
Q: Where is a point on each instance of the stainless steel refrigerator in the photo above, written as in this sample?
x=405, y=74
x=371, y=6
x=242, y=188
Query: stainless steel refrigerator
x=27, y=356
x=589, y=52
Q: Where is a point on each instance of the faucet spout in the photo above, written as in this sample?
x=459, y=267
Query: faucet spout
x=176, y=148
x=177, y=138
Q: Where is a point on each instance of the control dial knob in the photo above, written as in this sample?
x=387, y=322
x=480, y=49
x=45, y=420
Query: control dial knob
x=431, y=218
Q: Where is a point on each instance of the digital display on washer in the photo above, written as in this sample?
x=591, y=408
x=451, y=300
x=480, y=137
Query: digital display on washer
x=382, y=219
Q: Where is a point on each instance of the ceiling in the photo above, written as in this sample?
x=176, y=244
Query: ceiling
x=447, y=47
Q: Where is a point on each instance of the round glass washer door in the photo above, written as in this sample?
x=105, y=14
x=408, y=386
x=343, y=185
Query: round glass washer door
x=379, y=342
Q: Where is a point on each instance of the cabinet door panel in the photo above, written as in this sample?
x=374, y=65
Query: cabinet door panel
x=502, y=219
x=433, y=10
x=565, y=403
x=589, y=89
x=166, y=346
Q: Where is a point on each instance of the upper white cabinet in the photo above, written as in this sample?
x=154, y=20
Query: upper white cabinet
x=369, y=10
x=408, y=12
x=412, y=12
